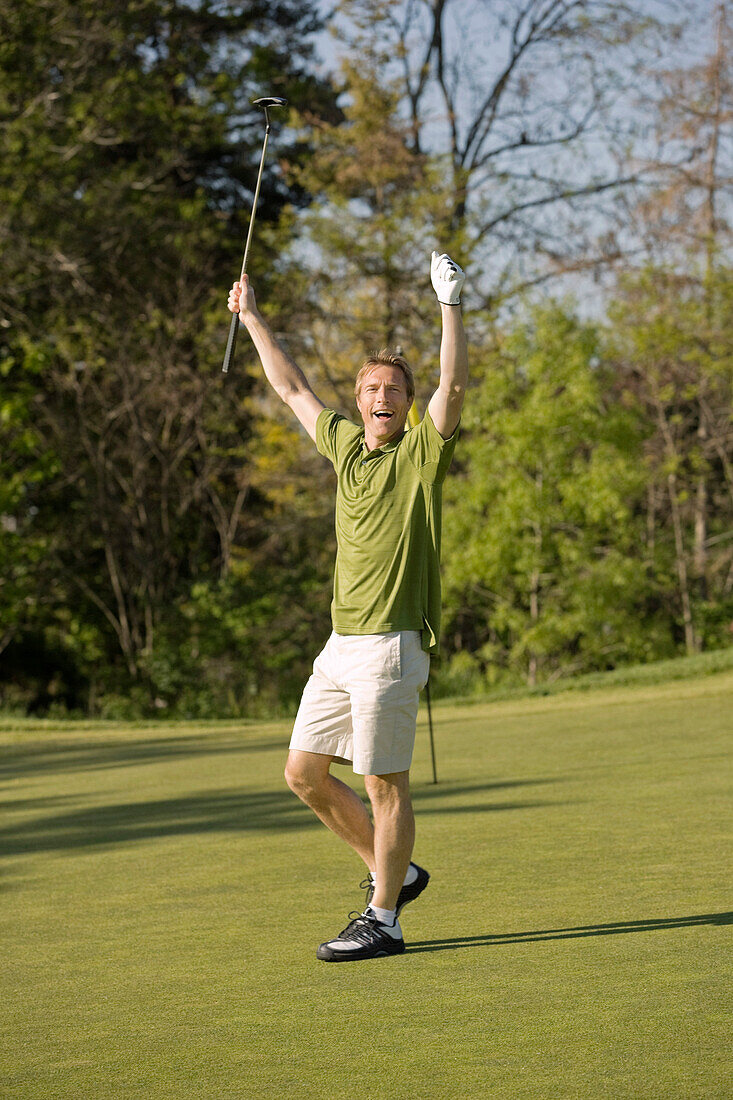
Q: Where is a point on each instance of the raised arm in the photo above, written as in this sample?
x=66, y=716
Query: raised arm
x=447, y=402
x=285, y=376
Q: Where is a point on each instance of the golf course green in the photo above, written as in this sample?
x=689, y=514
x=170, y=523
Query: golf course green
x=163, y=895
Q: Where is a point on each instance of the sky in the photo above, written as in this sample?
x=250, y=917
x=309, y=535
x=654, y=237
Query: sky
x=473, y=37
x=467, y=17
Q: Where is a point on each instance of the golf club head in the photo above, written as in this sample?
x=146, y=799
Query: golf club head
x=268, y=101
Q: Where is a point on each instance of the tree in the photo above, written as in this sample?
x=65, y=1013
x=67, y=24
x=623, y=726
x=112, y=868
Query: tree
x=127, y=158
x=25, y=464
x=674, y=333
x=685, y=215
x=370, y=231
x=126, y=127
x=541, y=573
x=673, y=347
x=519, y=100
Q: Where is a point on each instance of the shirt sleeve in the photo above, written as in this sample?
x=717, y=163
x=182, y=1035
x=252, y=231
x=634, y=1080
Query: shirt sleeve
x=429, y=452
x=333, y=434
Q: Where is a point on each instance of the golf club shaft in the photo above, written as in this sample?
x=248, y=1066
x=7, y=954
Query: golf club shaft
x=430, y=728
x=234, y=326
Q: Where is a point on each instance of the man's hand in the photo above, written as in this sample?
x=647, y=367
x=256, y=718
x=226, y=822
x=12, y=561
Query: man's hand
x=285, y=377
x=242, y=299
x=447, y=279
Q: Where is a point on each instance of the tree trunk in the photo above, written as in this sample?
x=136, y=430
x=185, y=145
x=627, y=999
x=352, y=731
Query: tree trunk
x=534, y=614
x=691, y=643
x=534, y=584
x=651, y=520
x=700, y=553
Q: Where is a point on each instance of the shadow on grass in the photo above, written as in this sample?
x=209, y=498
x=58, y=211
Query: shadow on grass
x=425, y=797
x=619, y=928
x=449, y=790
x=220, y=811
x=47, y=757
x=216, y=811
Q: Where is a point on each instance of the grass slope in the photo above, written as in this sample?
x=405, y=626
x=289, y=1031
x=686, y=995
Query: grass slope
x=163, y=895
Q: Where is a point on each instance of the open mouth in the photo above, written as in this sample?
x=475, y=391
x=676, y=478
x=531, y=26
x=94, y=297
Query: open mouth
x=384, y=415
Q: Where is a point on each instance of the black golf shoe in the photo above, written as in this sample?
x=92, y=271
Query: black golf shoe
x=363, y=938
x=407, y=893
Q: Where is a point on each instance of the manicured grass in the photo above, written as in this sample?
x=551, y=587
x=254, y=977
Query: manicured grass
x=654, y=672
x=163, y=895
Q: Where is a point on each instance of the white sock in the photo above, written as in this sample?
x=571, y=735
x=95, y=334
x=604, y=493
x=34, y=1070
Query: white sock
x=409, y=877
x=387, y=917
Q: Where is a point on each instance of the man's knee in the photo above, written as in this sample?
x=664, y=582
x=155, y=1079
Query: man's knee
x=307, y=775
x=388, y=791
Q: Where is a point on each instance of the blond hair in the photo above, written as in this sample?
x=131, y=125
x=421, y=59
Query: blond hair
x=386, y=358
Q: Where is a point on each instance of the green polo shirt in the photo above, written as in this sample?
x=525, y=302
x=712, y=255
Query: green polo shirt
x=388, y=521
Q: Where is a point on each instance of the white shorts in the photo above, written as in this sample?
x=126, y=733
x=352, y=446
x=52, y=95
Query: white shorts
x=360, y=704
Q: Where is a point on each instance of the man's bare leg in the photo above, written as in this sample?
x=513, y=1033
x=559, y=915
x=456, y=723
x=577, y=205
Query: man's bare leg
x=394, y=834
x=335, y=803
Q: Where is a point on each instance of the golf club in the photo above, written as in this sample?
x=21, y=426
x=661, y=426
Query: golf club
x=265, y=103
x=430, y=728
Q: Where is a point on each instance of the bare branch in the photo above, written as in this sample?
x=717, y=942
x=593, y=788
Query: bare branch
x=546, y=200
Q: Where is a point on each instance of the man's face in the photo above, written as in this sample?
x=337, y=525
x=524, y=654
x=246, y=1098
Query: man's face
x=383, y=404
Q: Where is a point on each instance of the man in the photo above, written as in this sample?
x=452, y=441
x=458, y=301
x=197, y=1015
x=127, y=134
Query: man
x=360, y=705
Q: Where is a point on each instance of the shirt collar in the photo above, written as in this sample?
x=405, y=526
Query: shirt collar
x=384, y=449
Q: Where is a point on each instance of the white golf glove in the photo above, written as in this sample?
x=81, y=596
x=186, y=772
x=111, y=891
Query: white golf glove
x=447, y=279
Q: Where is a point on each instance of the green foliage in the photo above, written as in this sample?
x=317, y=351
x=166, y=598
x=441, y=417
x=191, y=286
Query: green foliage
x=27, y=464
x=128, y=155
x=673, y=350
x=542, y=572
x=166, y=540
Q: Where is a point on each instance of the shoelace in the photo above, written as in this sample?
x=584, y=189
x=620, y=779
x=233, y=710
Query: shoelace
x=362, y=928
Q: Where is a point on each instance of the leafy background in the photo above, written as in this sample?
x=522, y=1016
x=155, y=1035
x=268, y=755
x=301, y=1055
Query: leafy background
x=166, y=539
